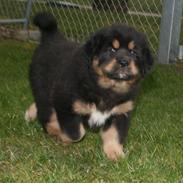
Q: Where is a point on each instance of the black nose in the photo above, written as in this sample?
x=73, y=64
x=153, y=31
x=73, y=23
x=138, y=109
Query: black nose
x=123, y=62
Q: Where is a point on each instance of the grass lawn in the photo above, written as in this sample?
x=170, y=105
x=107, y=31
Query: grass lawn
x=154, y=146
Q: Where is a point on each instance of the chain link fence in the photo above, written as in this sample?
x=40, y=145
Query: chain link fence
x=10, y=9
x=79, y=18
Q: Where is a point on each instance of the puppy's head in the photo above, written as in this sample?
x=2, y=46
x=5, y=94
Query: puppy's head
x=119, y=54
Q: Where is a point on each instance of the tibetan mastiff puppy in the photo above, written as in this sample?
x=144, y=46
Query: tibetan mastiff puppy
x=94, y=84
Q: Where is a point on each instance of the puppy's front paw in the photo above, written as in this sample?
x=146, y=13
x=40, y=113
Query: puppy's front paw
x=113, y=150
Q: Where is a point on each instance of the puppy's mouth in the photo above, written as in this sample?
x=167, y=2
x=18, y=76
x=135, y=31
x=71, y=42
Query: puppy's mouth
x=120, y=76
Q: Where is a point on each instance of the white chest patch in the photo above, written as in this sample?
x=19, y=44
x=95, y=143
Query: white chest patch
x=98, y=118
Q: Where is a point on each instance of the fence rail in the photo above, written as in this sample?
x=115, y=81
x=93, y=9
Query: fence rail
x=79, y=18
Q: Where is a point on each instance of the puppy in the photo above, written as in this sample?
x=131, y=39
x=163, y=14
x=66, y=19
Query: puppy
x=92, y=84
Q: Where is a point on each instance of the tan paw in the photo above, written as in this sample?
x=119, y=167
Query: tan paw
x=113, y=150
x=31, y=113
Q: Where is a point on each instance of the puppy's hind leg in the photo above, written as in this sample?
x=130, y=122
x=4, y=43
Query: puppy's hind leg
x=31, y=113
x=71, y=127
x=66, y=133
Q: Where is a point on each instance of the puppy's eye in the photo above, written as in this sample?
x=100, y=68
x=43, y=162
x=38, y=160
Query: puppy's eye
x=113, y=50
x=133, y=52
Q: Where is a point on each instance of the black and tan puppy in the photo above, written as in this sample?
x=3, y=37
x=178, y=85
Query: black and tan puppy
x=93, y=83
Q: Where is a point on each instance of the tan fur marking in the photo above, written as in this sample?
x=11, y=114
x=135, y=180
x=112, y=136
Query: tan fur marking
x=116, y=44
x=96, y=68
x=123, y=108
x=116, y=86
x=105, y=82
x=121, y=87
x=53, y=127
x=110, y=65
x=31, y=113
x=83, y=108
x=111, y=146
x=133, y=68
x=131, y=45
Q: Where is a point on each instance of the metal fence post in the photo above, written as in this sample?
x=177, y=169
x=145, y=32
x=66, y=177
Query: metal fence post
x=170, y=31
x=174, y=51
x=27, y=14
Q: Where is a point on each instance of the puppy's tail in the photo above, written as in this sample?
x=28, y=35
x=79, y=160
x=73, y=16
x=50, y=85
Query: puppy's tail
x=46, y=22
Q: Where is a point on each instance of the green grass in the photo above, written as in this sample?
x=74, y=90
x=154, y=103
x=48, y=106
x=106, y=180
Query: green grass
x=154, y=146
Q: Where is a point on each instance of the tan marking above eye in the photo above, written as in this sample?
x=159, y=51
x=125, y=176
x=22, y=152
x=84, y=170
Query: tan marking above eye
x=131, y=45
x=116, y=44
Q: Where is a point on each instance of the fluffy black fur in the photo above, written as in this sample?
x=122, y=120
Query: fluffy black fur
x=61, y=73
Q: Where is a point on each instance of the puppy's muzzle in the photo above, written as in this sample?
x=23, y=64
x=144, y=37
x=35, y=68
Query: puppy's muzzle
x=123, y=62
x=122, y=72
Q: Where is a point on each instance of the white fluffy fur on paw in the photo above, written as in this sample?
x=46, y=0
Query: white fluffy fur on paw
x=31, y=113
x=113, y=150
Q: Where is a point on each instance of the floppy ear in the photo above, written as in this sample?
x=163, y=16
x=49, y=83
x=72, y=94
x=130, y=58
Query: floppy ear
x=93, y=46
x=147, y=61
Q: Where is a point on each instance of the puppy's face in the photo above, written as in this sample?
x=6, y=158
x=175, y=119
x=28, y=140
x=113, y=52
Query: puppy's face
x=119, y=55
x=116, y=62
